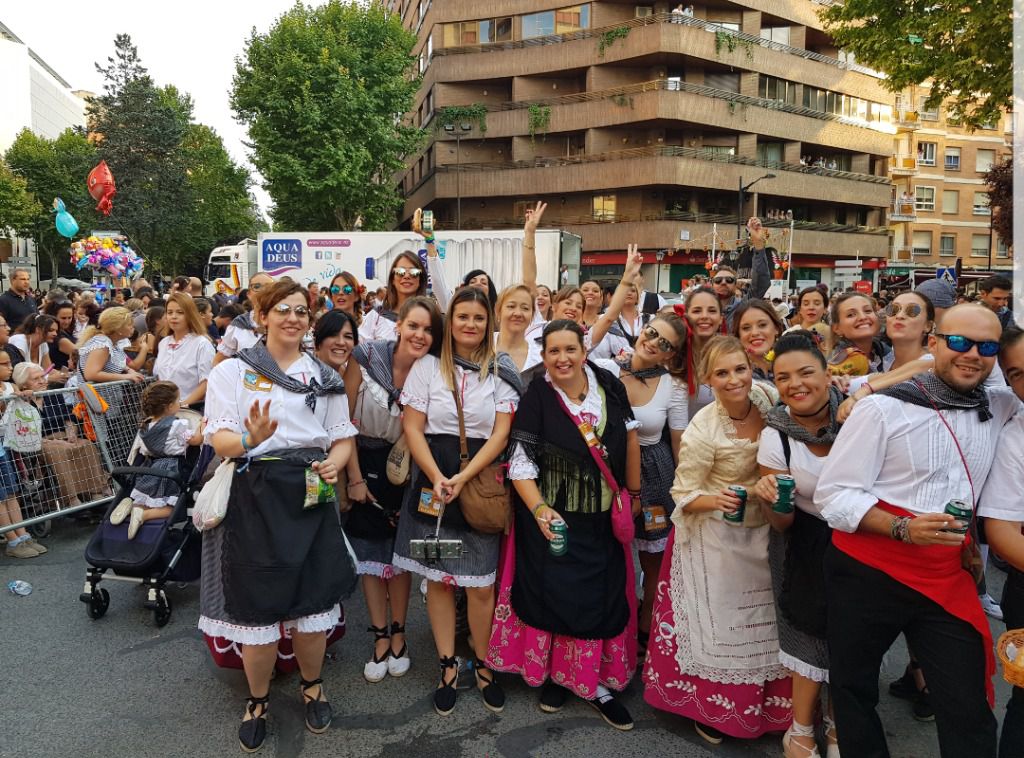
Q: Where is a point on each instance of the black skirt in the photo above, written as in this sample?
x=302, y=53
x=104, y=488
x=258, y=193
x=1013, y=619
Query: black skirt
x=445, y=449
x=365, y=520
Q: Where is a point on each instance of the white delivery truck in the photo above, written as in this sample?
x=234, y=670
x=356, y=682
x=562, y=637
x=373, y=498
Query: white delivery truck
x=319, y=256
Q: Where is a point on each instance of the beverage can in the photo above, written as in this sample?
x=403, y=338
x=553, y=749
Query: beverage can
x=19, y=587
x=560, y=544
x=786, y=486
x=962, y=512
x=736, y=517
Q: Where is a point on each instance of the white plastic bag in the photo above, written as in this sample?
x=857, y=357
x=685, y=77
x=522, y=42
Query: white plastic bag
x=212, y=501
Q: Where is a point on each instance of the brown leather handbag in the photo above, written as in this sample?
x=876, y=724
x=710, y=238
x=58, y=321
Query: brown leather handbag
x=485, y=501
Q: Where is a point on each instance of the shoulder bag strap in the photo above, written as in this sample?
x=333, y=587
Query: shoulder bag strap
x=463, y=447
x=593, y=443
x=963, y=458
x=786, y=450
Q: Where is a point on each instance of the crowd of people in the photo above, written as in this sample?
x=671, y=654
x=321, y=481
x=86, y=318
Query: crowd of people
x=798, y=482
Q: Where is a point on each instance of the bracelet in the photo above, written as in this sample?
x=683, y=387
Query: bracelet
x=529, y=247
x=868, y=385
x=356, y=484
x=537, y=507
x=899, y=529
x=633, y=493
x=429, y=240
x=245, y=440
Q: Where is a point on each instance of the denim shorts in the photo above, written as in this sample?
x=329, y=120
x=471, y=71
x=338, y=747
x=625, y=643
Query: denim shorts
x=8, y=477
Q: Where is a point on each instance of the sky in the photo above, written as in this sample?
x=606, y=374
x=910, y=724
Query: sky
x=190, y=43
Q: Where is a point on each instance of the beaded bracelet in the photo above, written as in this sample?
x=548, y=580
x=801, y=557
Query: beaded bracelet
x=899, y=529
x=429, y=240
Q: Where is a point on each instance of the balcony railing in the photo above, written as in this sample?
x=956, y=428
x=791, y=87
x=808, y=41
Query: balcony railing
x=906, y=120
x=657, y=18
x=903, y=165
x=903, y=211
x=662, y=151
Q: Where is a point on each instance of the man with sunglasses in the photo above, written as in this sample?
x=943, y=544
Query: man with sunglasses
x=894, y=565
x=724, y=279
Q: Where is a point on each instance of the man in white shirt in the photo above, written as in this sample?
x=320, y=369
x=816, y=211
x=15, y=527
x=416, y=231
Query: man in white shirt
x=892, y=568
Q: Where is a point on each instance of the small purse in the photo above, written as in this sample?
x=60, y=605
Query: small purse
x=485, y=501
x=397, y=466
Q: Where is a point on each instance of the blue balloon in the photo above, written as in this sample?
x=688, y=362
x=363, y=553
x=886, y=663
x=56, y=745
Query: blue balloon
x=66, y=224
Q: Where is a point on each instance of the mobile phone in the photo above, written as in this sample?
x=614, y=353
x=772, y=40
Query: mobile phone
x=427, y=223
x=433, y=549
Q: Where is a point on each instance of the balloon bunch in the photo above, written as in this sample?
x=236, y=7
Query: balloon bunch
x=115, y=256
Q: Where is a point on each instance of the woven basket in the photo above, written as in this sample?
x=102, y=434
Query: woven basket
x=1013, y=669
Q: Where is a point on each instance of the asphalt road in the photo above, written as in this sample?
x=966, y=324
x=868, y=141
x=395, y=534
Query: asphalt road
x=121, y=687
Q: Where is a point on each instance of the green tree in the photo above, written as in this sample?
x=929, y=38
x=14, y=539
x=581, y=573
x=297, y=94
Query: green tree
x=54, y=168
x=963, y=49
x=999, y=179
x=322, y=94
x=18, y=207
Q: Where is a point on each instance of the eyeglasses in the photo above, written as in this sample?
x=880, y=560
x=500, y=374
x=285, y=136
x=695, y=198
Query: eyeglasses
x=402, y=271
x=961, y=344
x=652, y=334
x=910, y=310
x=284, y=309
x=347, y=289
x=724, y=280
x=5, y=325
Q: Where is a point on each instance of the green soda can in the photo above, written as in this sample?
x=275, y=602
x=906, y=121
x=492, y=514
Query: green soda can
x=736, y=517
x=560, y=544
x=787, y=487
x=962, y=512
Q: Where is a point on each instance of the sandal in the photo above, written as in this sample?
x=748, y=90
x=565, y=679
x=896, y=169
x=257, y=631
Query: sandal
x=494, y=696
x=377, y=667
x=832, y=744
x=791, y=749
x=445, y=695
x=398, y=663
x=253, y=731
x=318, y=710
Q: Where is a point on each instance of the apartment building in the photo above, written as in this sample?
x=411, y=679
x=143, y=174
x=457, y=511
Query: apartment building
x=639, y=124
x=940, y=209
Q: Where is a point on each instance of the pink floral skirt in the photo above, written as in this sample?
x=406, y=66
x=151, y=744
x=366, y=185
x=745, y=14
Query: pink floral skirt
x=738, y=710
x=576, y=664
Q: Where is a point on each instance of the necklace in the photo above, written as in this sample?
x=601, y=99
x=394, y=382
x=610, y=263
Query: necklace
x=750, y=407
x=810, y=415
x=586, y=390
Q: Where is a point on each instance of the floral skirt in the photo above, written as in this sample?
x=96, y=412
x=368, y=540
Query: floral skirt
x=578, y=665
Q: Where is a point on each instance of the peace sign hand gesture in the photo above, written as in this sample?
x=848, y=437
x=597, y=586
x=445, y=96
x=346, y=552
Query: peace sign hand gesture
x=533, y=216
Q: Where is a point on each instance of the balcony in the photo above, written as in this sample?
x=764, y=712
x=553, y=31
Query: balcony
x=903, y=165
x=902, y=211
x=901, y=254
x=906, y=121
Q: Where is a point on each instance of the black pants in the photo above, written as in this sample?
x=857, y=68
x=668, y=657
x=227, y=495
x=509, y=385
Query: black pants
x=1011, y=743
x=867, y=611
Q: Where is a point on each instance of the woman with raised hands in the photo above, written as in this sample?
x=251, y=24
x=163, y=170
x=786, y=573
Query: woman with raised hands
x=477, y=278
x=241, y=332
x=406, y=279
x=185, y=355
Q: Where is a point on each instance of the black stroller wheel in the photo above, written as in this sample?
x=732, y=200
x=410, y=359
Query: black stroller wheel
x=98, y=603
x=162, y=612
x=41, y=530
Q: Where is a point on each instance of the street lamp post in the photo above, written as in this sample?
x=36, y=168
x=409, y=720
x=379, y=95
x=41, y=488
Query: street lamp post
x=464, y=127
x=739, y=203
x=659, y=257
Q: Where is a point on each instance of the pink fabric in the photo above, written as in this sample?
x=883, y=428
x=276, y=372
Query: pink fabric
x=738, y=710
x=228, y=655
x=578, y=665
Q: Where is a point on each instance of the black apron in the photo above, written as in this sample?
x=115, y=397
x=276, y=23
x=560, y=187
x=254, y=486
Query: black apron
x=445, y=449
x=365, y=520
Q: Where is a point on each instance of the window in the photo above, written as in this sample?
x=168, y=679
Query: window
x=981, y=204
x=643, y=11
x=922, y=243
x=926, y=115
x=984, y=160
x=538, y=24
x=604, y=207
x=719, y=150
x=846, y=105
x=779, y=90
x=924, y=198
x=950, y=201
x=926, y=153
x=723, y=80
x=778, y=34
x=952, y=162
x=1002, y=251
x=572, y=19
x=769, y=152
x=979, y=246
x=477, y=32
x=947, y=244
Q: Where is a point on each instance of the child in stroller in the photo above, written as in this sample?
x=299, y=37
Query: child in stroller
x=164, y=442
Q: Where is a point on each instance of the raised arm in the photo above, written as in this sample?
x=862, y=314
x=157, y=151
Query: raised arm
x=605, y=321
x=533, y=217
x=435, y=266
x=760, y=271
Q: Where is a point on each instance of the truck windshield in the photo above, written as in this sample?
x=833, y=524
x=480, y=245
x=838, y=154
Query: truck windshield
x=216, y=270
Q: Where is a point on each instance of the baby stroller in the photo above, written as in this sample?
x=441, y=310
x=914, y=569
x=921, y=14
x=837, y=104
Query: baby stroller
x=164, y=550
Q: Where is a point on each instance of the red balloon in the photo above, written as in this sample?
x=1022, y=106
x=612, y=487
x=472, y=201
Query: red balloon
x=101, y=187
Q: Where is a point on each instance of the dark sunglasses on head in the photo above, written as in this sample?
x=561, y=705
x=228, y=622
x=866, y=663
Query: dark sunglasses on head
x=724, y=280
x=652, y=334
x=347, y=289
x=403, y=271
x=284, y=309
x=961, y=344
x=910, y=310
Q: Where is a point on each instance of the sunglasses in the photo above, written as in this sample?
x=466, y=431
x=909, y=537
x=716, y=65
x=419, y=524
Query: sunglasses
x=961, y=344
x=402, y=271
x=910, y=310
x=652, y=334
x=347, y=289
x=284, y=309
x=724, y=280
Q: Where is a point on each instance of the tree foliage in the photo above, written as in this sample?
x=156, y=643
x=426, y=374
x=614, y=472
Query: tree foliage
x=18, y=207
x=1000, y=199
x=964, y=49
x=322, y=95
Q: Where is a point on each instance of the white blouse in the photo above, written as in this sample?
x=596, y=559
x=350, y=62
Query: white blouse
x=177, y=439
x=481, y=400
x=234, y=386
x=20, y=341
x=186, y=363
x=534, y=353
x=374, y=415
x=235, y=340
x=804, y=466
x=611, y=346
x=1003, y=497
x=668, y=404
x=376, y=327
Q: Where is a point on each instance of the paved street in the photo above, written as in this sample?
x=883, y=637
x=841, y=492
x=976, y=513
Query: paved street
x=121, y=687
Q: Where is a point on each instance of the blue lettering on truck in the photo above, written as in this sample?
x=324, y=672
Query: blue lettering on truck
x=279, y=256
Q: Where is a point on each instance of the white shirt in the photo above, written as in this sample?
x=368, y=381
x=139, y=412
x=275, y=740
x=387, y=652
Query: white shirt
x=376, y=327
x=804, y=466
x=20, y=341
x=534, y=354
x=481, y=400
x=667, y=404
x=235, y=340
x=1003, y=497
x=177, y=439
x=903, y=454
x=233, y=387
x=186, y=363
x=438, y=282
x=611, y=346
x=374, y=415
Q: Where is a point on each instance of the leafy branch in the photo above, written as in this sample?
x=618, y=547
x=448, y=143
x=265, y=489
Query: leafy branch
x=452, y=115
x=539, y=119
x=729, y=41
x=610, y=37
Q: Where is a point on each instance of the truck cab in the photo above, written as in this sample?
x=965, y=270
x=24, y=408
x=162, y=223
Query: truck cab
x=230, y=267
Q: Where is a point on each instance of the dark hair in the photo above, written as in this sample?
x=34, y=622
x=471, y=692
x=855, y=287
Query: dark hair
x=331, y=324
x=677, y=363
x=202, y=304
x=1012, y=334
x=996, y=282
x=561, y=325
x=834, y=309
x=56, y=306
x=800, y=341
x=36, y=321
x=929, y=307
x=144, y=292
x=391, y=299
x=492, y=294
x=699, y=291
x=436, y=319
x=92, y=312
x=724, y=267
x=759, y=305
x=358, y=290
x=231, y=311
x=810, y=291
x=153, y=314
x=157, y=397
x=183, y=283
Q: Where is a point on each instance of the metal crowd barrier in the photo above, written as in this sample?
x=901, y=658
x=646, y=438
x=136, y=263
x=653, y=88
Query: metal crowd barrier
x=60, y=460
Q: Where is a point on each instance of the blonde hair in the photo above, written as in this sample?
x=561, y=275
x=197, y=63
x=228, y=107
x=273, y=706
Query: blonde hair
x=184, y=301
x=717, y=348
x=506, y=294
x=484, y=354
x=111, y=321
